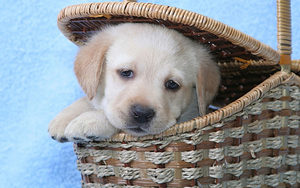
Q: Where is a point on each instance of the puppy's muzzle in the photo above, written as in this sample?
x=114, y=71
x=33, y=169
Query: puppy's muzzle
x=141, y=114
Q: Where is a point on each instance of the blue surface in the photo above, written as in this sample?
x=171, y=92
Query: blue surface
x=37, y=80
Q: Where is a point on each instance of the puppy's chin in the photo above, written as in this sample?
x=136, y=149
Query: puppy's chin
x=136, y=131
x=148, y=129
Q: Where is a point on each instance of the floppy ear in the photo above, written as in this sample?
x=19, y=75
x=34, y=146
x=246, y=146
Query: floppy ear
x=89, y=63
x=207, y=84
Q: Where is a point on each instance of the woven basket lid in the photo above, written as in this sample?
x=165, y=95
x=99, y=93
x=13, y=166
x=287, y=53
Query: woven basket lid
x=79, y=22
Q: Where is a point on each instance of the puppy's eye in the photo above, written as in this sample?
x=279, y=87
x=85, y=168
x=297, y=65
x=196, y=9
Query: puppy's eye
x=172, y=85
x=126, y=73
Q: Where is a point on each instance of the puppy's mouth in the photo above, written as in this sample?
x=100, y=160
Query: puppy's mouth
x=138, y=130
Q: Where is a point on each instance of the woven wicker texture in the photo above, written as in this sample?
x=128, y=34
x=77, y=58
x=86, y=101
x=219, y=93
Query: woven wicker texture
x=254, y=146
x=78, y=22
x=253, y=141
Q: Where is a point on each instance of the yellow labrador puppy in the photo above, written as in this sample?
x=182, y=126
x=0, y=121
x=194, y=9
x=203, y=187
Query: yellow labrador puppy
x=140, y=79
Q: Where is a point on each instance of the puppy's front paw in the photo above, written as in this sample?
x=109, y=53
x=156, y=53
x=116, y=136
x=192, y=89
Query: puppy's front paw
x=57, y=128
x=91, y=125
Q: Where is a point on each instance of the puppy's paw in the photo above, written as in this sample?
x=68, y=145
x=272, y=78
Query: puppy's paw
x=57, y=128
x=89, y=126
x=58, y=125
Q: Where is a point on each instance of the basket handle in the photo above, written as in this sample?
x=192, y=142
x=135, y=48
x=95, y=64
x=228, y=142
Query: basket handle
x=284, y=34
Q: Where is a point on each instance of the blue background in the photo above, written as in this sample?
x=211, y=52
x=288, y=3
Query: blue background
x=37, y=79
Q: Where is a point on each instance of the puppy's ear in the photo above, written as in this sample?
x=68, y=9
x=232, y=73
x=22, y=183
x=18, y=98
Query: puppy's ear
x=89, y=63
x=207, y=84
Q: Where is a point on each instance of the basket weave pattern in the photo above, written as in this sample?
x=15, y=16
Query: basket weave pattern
x=256, y=146
x=76, y=22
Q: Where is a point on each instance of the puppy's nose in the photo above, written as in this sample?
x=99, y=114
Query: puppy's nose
x=142, y=114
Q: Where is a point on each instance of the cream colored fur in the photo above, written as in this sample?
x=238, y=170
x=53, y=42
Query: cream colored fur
x=155, y=55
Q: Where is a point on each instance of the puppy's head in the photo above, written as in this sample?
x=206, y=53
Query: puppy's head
x=143, y=75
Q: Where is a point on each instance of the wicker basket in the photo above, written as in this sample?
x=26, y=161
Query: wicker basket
x=252, y=141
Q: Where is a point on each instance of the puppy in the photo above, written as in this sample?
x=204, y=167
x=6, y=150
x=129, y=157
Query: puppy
x=140, y=79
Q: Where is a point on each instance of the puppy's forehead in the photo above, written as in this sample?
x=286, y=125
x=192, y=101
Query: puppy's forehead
x=126, y=50
x=150, y=61
x=152, y=50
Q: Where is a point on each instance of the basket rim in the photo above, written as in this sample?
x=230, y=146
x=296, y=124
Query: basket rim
x=161, y=12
